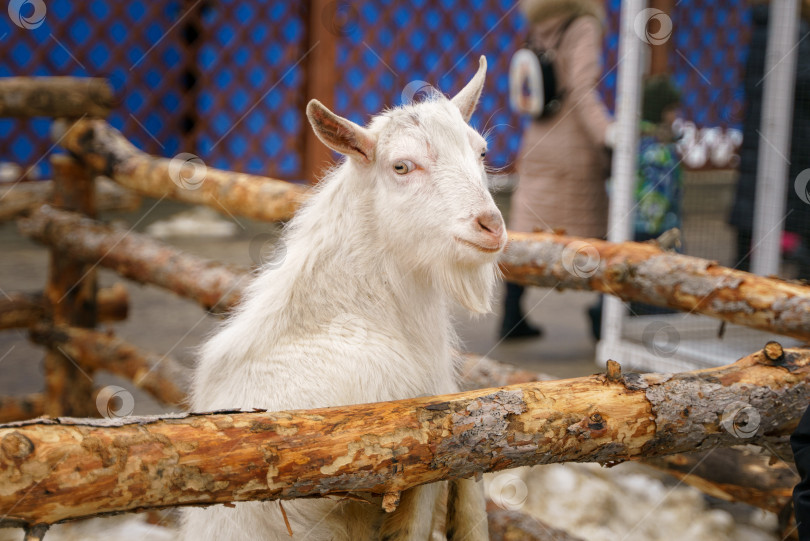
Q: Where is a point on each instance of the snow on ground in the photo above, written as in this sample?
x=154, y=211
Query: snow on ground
x=196, y=222
x=120, y=528
x=623, y=503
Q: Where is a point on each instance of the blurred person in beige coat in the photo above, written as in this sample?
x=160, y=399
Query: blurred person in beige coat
x=563, y=163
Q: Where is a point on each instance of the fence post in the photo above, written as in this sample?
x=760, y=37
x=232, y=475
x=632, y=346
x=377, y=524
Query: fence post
x=71, y=297
x=323, y=30
x=659, y=53
x=191, y=76
x=775, y=132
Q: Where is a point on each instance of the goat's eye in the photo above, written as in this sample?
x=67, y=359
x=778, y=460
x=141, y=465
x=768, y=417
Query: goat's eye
x=403, y=167
x=483, y=154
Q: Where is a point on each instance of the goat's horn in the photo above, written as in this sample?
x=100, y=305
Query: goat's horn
x=467, y=99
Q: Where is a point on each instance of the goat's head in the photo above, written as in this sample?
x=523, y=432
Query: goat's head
x=422, y=167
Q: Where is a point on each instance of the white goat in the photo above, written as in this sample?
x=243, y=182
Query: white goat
x=355, y=308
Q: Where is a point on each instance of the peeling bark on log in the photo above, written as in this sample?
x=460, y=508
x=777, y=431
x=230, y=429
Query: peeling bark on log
x=70, y=295
x=643, y=272
x=57, y=469
x=19, y=408
x=107, y=152
x=57, y=97
x=731, y=474
x=22, y=198
x=93, y=350
x=214, y=285
x=507, y=525
x=734, y=474
x=26, y=309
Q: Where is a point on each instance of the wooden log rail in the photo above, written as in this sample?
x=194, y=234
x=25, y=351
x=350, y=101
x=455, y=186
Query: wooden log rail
x=645, y=273
x=57, y=97
x=632, y=271
x=102, y=148
x=214, y=285
x=729, y=474
x=53, y=470
x=734, y=474
x=763, y=480
x=21, y=198
x=159, y=375
x=26, y=309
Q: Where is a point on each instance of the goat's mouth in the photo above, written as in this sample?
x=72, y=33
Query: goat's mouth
x=487, y=248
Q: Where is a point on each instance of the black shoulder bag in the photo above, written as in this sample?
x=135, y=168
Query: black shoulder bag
x=533, y=86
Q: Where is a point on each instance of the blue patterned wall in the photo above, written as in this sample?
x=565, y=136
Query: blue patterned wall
x=249, y=93
x=132, y=44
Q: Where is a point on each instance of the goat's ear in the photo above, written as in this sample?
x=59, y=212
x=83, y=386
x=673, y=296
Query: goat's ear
x=467, y=99
x=340, y=134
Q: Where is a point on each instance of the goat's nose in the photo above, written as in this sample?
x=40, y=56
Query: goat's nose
x=491, y=223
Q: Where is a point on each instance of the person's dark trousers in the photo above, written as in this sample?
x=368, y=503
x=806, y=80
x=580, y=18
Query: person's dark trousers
x=595, y=317
x=743, y=261
x=802, y=257
x=800, y=442
x=514, y=324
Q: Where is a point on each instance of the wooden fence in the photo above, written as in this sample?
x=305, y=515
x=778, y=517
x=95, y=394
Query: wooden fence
x=514, y=420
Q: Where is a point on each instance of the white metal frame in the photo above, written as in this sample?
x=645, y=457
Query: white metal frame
x=622, y=338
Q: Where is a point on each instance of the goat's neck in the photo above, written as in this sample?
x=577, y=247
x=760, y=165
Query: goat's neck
x=354, y=259
x=335, y=257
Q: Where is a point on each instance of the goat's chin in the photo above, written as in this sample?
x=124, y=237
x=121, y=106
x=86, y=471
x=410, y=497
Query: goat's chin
x=471, y=285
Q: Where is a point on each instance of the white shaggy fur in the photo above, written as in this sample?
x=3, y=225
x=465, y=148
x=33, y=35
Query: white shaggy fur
x=355, y=308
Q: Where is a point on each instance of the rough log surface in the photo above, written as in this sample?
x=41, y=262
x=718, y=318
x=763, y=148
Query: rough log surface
x=26, y=309
x=18, y=408
x=643, y=272
x=764, y=480
x=734, y=474
x=505, y=525
x=21, y=198
x=69, y=97
x=214, y=285
x=160, y=376
x=56, y=469
x=107, y=152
